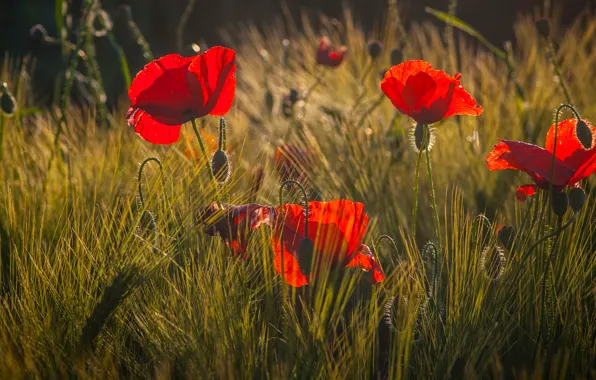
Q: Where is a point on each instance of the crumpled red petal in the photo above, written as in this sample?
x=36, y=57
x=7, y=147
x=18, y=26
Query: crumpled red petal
x=234, y=223
x=525, y=191
x=212, y=81
x=365, y=260
x=531, y=159
x=326, y=56
x=160, y=90
x=150, y=129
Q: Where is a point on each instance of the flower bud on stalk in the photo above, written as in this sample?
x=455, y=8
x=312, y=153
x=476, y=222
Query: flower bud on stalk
x=577, y=198
x=306, y=251
x=397, y=57
x=543, y=27
x=375, y=48
x=560, y=203
x=8, y=104
x=584, y=135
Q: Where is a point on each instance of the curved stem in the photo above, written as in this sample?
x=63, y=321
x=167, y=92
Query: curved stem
x=281, y=208
x=140, y=176
x=386, y=237
x=476, y=220
x=416, y=188
x=553, y=59
x=207, y=165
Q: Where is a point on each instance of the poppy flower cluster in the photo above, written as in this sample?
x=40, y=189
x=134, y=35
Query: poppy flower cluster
x=174, y=90
x=572, y=162
x=336, y=228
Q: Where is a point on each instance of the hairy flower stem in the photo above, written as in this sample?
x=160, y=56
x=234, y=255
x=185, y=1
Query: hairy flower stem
x=140, y=176
x=207, y=165
x=416, y=188
x=380, y=240
x=433, y=197
x=553, y=59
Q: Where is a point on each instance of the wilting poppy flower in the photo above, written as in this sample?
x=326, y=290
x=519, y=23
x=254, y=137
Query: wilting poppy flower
x=425, y=94
x=234, y=223
x=327, y=56
x=572, y=162
x=293, y=163
x=336, y=229
x=173, y=90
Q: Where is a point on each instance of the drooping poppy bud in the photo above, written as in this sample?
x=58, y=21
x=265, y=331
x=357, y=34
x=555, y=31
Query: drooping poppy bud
x=493, y=262
x=374, y=48
x=306, y=252
x=506, y=235
x=8, y=103
x=584, y=135
x=220, y=165
x=37, y=36
x=560, y=203
x=397, y=57
x=543, y=27
x=577, y=198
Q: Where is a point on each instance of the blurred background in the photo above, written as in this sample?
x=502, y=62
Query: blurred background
x=158, y=21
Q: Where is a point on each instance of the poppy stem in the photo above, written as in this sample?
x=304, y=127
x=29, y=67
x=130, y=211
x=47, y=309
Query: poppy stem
x=416, y=188
x=207, y=165
x=552, y=169
x=313, y=86
x=140, y=176
x=553, y=59
x=380, y=240
x=222, y=134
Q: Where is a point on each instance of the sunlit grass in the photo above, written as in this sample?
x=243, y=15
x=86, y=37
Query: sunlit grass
x=174, y=302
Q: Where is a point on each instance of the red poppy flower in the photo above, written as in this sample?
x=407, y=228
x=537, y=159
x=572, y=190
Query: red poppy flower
x=234, y=223
x=425, y=94
x=572, y=162
x=336, y=228
x=326, y=56
x=173, y=90
x=293, y=162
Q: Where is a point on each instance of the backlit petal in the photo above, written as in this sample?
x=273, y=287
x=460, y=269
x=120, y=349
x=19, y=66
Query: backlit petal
x=150, y=129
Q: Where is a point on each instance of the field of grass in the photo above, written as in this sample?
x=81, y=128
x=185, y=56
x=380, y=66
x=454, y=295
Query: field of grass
x=97, y=284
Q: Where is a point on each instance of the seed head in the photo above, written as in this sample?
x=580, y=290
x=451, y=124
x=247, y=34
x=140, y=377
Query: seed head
x=8, y=104
x=584, y=135
x=560, y=203
x=397, y=57
x=577, y=198
x=375, y=48
x=220, y=166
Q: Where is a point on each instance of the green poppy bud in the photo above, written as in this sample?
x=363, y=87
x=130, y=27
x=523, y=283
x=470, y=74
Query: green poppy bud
x=37, y=36
x=584, y=135
x=306, y=252
x=559, y=203
x=8, y=103
x=375, y=48
x=422, y=137
x=577, y=198
x=220, y=166
x=397, y=57
x=543, y=27
x=269, y=101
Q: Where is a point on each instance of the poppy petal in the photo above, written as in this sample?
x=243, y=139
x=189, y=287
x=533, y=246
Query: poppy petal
x=160, y=90
x=569, y=149
x=366, y=260
x=531, y=159
x=212, y=82
x=151, y=129
x=291, y=268
x=525, y=191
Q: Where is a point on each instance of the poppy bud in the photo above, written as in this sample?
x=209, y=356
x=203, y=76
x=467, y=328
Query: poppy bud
x=584, y=135
x=577, y=198
x=37, y=36
x=422, y=137
x=397, y=57
x=269, y=101
x=543, y=27
x=285, y=51
x=506, y=236
x=8, y=104
x=306, y=251
x=374, y=48
x=220, y=166
x=560, y=203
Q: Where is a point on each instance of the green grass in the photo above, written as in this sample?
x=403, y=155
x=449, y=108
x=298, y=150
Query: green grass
x=91, y=289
